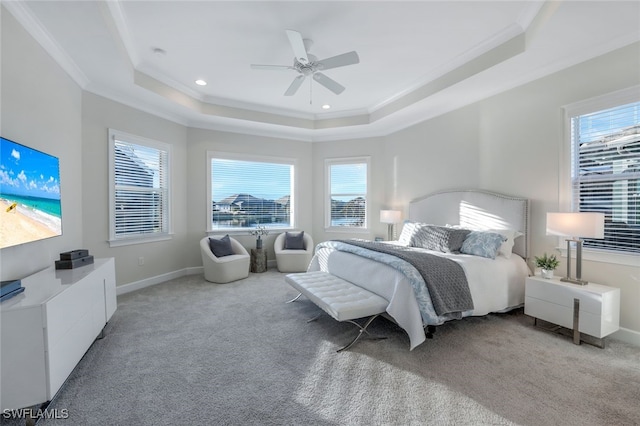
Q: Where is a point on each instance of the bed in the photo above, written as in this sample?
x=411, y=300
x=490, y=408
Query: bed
x=494, y=284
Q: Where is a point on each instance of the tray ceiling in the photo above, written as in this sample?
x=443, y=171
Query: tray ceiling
x=418, y=59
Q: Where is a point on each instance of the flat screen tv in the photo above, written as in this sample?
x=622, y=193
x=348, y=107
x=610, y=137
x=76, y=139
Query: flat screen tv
x=30, y=205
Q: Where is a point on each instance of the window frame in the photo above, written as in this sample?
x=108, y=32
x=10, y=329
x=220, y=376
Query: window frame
x=328, y=162
x=250, y=158
x=115, y=240
x=599, y=103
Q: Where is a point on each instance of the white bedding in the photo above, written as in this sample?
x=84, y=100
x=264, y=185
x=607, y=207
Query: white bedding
x=496, y=285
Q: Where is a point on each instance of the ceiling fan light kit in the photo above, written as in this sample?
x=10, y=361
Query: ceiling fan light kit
x=307, y=64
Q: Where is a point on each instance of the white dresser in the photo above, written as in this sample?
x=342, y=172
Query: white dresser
x=48, y=328
x=552, y=300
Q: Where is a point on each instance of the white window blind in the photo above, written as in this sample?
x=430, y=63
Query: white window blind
x=347, y=201
x=140, y=188
x=605, y=173
x=246, y=193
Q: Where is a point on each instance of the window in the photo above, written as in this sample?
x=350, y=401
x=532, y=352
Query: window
x=249, y=191
x=347, y=186
x=605, y=173
x=139, y=189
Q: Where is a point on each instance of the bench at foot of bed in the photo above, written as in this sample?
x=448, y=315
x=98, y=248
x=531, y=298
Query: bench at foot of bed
x=341, y=299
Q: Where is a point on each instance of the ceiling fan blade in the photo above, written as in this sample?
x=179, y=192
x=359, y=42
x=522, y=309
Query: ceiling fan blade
x=348, y=58
x=271, y=67
x=297, y=44
x=330, y=84
x=295, y=84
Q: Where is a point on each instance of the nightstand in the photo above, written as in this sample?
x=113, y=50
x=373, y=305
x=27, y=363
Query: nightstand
x=588, y=310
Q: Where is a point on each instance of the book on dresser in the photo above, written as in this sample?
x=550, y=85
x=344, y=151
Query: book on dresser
x=10, y=288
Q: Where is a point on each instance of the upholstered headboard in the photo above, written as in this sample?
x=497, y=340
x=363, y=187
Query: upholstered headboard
x=475, y=209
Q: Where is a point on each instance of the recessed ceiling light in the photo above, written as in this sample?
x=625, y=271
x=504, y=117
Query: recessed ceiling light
x=159, y=52
x=201, y=82
x=326, y=106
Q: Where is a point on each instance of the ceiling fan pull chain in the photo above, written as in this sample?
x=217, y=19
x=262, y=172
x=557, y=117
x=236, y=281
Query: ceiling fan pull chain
x=310, y=91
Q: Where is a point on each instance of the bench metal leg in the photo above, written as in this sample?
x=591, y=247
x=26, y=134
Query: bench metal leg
x=295, y=298
x=315, y=318
x=363, y=329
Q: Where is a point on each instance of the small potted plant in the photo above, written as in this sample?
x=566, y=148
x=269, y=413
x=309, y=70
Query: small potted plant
x=259, y=232
x=547, y=265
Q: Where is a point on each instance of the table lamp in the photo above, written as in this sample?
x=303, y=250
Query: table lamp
x=390, y=217
x=575, y=226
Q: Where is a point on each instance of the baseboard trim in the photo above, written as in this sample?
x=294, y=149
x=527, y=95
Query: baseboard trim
x=147, y=282
x=628, y=336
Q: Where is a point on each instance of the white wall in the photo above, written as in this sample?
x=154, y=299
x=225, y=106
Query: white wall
x=509, y=143
x=162, y=257
x=439, y=154
x=201, y=141
x=372, y=147
x=522, y=135
x=41, y=110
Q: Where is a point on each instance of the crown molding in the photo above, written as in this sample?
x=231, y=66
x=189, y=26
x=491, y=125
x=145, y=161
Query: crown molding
x=120, y=23
x=427, y=98
x=25, y=17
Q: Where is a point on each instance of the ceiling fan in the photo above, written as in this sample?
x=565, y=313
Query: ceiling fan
x=307, y=64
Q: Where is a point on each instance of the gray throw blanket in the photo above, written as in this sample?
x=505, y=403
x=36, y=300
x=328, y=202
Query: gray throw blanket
x=445, y=279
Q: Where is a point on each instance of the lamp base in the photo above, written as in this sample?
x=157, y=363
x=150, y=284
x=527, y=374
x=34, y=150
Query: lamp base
x=574, y=281
x=568, y=279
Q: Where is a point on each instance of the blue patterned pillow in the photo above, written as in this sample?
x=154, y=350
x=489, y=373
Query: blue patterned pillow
x=485, y=244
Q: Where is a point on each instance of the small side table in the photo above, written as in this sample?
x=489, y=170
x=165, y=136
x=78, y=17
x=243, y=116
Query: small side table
x=258, y=260
x=590, y=311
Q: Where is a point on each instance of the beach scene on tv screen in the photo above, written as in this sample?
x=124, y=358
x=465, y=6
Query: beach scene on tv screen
x=30, y=205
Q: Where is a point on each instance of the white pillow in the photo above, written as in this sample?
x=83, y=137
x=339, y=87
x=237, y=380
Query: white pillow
x=507, y=247
x=408, y=230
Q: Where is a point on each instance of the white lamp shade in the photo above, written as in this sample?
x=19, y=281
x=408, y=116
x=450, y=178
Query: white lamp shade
x=585, y=224
x=390, y=216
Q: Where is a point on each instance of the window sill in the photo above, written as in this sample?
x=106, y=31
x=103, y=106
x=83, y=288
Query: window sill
x=602, y=256
x=139, y=240
x=245, y=232
x=346, y=230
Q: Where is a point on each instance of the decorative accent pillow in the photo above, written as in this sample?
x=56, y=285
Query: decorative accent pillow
x=294, y=241
x=507, y=246
x=406, y=233
x=221, y=247
x=485, y=244
x=439, y=238
x=409, y=235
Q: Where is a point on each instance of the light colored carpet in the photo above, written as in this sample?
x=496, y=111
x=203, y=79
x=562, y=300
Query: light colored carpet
x=188, y=352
